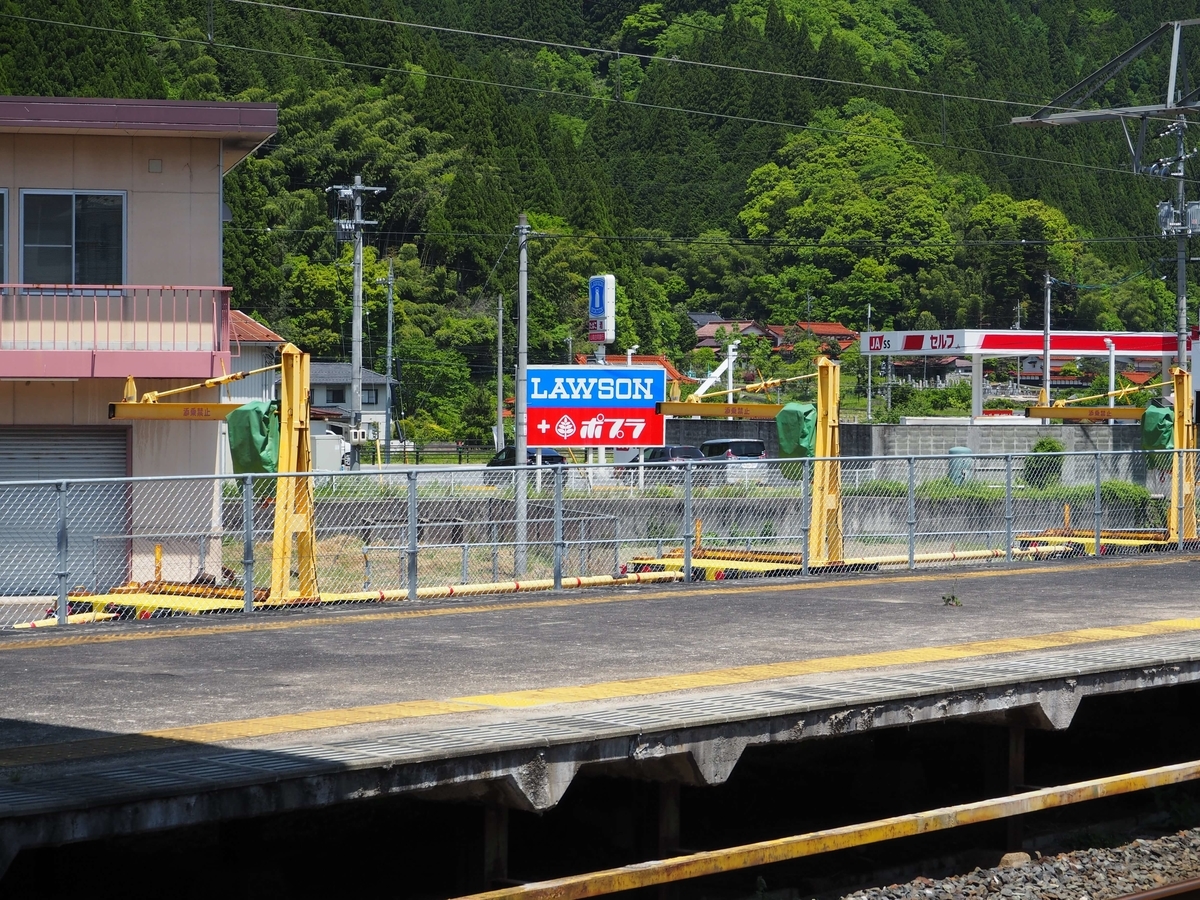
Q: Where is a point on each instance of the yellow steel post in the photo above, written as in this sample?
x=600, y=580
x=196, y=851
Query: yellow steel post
x=825, y=535
x=1185, y=440
x=294, y=495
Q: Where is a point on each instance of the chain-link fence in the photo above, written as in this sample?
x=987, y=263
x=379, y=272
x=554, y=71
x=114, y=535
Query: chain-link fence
x=104, y=550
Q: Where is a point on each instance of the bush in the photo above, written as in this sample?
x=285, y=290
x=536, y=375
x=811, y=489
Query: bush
x=879, y=487
x=948, y=489
x=1044, y=465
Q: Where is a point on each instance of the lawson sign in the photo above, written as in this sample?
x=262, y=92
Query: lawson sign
x=595, y=406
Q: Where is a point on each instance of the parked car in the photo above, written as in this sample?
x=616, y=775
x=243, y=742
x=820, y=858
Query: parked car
x=508, y=457
x=734, y=448
x=744, y=452
x=676, y=454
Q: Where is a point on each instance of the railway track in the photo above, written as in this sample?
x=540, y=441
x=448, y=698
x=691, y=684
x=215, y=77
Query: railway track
x=1181, y=890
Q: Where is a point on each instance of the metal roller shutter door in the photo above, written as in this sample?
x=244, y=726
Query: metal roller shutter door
x=29, y=513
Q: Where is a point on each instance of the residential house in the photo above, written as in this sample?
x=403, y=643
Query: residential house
x=111, y=217
x=829, y=335
x=331, y=395
x=706, y=335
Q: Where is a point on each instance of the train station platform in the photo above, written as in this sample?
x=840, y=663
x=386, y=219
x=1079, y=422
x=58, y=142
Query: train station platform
x=132, y=727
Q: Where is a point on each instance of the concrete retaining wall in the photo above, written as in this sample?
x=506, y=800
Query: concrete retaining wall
x=919, y=440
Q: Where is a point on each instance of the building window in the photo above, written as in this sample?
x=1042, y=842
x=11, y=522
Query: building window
x=3, y=236
x=72, y=238
x=370, y=395
x=335, y=395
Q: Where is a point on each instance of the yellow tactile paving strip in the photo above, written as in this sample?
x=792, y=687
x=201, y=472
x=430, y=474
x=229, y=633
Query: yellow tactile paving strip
x=265, y=726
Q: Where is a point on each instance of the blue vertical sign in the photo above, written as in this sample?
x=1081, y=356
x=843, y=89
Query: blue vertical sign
x=602, y=309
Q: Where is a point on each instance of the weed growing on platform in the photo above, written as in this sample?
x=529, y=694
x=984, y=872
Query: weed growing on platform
x=951, y=600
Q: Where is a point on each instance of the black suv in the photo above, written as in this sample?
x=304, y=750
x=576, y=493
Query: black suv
x=508, y=457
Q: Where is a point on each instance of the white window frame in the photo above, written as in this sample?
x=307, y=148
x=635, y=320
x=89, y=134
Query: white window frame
x=124, y=195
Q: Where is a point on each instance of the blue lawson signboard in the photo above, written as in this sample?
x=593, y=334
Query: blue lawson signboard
x=602, y=309
x=595, y=406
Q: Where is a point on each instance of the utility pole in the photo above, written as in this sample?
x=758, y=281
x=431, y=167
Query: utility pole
x=570, y=350
x=521, y=413
x=353, y=193
x=1179, y=218
x=1046, y=343
x=390, y=281
x=499, y=434
x=870, y=365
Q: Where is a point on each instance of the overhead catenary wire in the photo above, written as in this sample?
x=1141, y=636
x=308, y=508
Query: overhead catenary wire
x=729, y=117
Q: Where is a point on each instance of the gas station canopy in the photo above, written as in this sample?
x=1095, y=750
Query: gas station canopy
x=1009, y=342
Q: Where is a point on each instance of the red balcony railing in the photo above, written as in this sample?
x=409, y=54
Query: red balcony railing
x=128, y=317
x=54, y=332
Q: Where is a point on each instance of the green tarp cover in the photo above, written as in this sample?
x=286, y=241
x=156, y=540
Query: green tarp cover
x=796, y=424
x=1158, y=428
x=254, y=437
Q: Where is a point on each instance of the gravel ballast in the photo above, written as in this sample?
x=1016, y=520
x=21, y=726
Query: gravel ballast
x=1078, y=875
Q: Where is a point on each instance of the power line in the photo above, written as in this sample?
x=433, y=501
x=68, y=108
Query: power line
x=750, y=120
x=646, y=57
x=813, y=243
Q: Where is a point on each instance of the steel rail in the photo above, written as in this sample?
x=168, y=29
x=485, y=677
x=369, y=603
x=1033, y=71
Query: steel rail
x=715, y=862
x=1180, y=889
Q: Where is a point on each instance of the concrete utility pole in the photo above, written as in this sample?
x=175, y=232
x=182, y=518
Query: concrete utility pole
x=1046, y=342
x=521, y=413
x=870, y=365
x=498, y=436
x=390, y=281
x=353, y=193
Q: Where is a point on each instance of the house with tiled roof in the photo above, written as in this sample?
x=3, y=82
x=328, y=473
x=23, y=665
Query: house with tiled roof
x=827, y=333
x=673, y=374
x=706, y=335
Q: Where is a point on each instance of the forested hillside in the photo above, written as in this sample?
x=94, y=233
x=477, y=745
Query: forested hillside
x=754, y=158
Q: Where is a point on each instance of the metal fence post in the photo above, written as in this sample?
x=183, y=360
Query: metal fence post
x=495, y=552
x=248, y=544
x=805, y=514
x=63, y=572
x=1097, y=510
x=1008, y=509
x=558, y=527
x=413, y=525
x=912, y=513
x=616, y=546
x=688, y=526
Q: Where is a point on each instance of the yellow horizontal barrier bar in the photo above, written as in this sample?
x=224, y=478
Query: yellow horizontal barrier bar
x=714, y=862
x=503, y=587
x=72, y=619
x=740, y=560
x=1085, y=413
x=197, y=412
x=145, y=603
